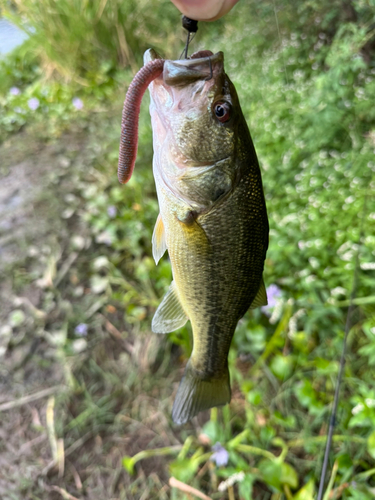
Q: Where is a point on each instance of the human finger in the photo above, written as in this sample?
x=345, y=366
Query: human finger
x=204, y=10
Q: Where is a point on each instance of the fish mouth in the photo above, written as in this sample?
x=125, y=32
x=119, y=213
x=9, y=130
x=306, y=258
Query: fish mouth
x=202, y=65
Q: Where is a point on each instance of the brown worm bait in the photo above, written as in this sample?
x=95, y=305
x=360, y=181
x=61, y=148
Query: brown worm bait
x=130, y=117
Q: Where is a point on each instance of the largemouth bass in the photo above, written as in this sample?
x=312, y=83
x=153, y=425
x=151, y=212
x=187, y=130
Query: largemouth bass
x=212, y=220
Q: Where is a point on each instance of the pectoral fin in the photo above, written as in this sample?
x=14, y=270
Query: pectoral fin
x=260, y=298
x=169, y=315
x=158, y=240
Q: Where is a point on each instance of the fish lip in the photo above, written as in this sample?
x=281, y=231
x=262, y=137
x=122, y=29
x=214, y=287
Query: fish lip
x=150, y=55
x=196, y=61
x=201, y=53
x=185, y=71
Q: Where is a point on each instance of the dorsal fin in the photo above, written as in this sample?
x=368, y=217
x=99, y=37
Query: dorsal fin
x=169, y=315
x=260, y=298
x=158, y=240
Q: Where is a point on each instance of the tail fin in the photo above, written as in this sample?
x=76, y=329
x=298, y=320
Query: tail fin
x=196, y=394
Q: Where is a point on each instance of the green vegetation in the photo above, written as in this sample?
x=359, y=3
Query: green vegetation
x=86, y=39
x=305, y=74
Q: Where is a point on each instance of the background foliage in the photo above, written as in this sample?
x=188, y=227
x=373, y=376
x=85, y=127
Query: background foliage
x=305, y=74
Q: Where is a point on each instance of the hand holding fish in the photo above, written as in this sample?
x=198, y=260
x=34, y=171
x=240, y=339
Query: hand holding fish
x=213, y=218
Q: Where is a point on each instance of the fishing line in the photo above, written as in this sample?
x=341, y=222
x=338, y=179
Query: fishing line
x=281, y=44
x=189, y=39
x=293, y=128
x=191, y=27
x=332, y=420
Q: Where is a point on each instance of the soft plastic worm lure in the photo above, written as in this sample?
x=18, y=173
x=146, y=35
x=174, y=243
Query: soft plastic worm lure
x=132, y=105
x=130, y=117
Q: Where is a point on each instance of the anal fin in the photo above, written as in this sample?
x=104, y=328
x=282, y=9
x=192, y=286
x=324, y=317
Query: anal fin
x=159, y=245
x=169, y=315
x=261, y=297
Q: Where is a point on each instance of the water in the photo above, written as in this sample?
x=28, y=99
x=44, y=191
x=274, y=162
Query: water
x=10, y=36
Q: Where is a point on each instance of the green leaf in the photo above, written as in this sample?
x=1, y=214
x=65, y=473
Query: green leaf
x=272, y=472
x=245, y=487
x=289, y=475
x=128, y=464
x=183, y=470
x=254, y=397
x=281, y=366
x=16, y=317
x=214, y=431
x=345, y=462
x=371, y=444
x=306, y=492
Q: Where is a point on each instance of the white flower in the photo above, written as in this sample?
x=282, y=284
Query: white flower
x=368, y=266
x=235, y=478
x=357, y=409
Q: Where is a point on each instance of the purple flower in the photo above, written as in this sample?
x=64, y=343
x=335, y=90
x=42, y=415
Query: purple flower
x=77, y=103
x=33, y=103
x=221, y=456
x=273, y=295
x=14, y=91
x=81, y=330
x=112, y=211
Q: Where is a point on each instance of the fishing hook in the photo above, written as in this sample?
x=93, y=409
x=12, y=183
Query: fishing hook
x=211, y=74
x=191, y=27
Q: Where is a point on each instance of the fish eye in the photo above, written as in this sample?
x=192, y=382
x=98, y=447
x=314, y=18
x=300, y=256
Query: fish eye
x=222, y=111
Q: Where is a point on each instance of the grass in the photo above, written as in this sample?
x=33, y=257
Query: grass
x=87, y=40
x=308, y=107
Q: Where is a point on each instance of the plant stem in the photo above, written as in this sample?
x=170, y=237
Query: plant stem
x=287, y=492
x=175, y=483
x=281, y=327
x=157, y=452
x=237, y=440
x=359, y=301
x=300, y=443
x=245, y=448
x=331, y=481
x=231, y=493
x=185, y=447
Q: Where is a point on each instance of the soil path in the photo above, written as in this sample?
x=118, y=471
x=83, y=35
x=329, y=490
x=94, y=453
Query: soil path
x=35, y=225
x=34, y=183
x=71, y=405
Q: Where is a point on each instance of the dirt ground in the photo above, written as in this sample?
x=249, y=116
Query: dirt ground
x=32, y=189
x=69, y=411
